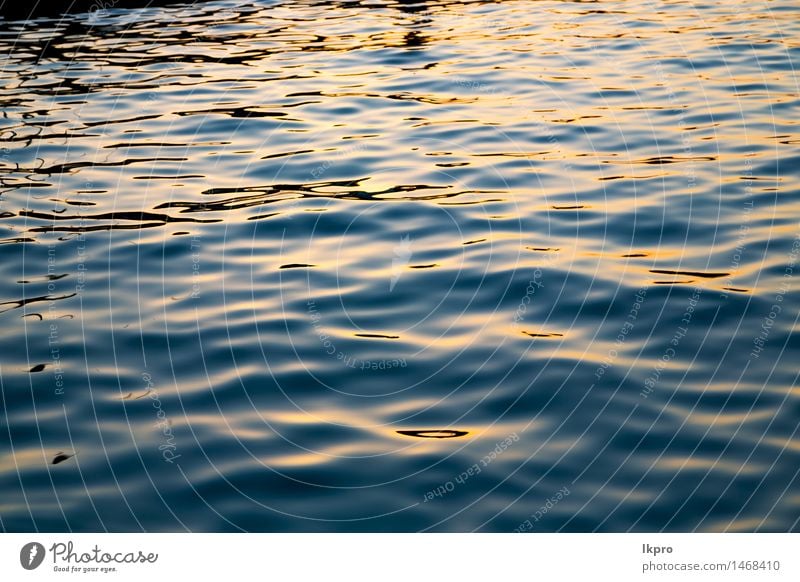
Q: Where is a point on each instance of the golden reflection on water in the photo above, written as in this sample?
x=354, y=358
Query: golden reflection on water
x=357, y=246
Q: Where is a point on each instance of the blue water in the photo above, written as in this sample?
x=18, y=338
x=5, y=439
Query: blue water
x=391, y=266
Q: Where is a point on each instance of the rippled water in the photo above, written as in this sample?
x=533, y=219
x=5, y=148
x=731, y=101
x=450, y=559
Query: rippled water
x=448, y=266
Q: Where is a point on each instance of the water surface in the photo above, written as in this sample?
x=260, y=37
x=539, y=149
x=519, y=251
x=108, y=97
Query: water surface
x=391, y=266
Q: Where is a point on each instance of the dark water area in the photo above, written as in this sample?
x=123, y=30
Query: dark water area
x=389, y=266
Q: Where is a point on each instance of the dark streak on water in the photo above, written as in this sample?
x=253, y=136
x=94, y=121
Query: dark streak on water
x=219, y=225
x=433, y=434
x=61, y=457
x=690, y=273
